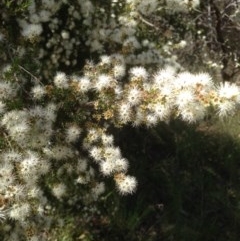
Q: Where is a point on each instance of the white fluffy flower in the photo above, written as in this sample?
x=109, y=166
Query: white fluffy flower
x=124, y=112
x=225, y=108
x=126, y=184
x=193, y=112
x=13, y=118
x=103, y=81
x=96, y=153
x=107, y=167
x=151, y=120
x=29, y=164
x=184, y=97
x=50, y=112
x=11, y=156
x=121, y=165
x=31, y=30
x=19, y=211
x=112, y=153
x=228, y=90
x=161, y=111
x=184, y=80
x=107, y=139
x=84, y=84
x=38, y=92
x=72, y=133
x=164, y=76
x=105, y=59
x=59, y=190
x=139, y=72
x=204, y=79
x=20, y=133
x=119, y=71
x=6, y=90
x=134, y=96
x=61, y=80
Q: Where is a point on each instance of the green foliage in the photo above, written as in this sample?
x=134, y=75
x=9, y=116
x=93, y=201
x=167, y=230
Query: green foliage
x=16, y=7
x=189, y=186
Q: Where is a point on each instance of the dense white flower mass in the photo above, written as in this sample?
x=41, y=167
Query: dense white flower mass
x=147, y=7
x=38, y=147
x=98, y=68
x=182, y=5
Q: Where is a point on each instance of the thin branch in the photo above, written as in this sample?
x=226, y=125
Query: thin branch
x=146, y=21
x=33, y=76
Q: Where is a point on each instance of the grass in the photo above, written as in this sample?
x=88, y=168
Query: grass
x=191, y=174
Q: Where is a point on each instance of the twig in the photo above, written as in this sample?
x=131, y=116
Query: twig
x=33, y=76
x=147, y=22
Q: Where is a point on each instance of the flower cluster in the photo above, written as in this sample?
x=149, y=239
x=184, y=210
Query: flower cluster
x=108, y=157
x=55, y=144
x=182, y=6
x=148, y=98
x=66, y=32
